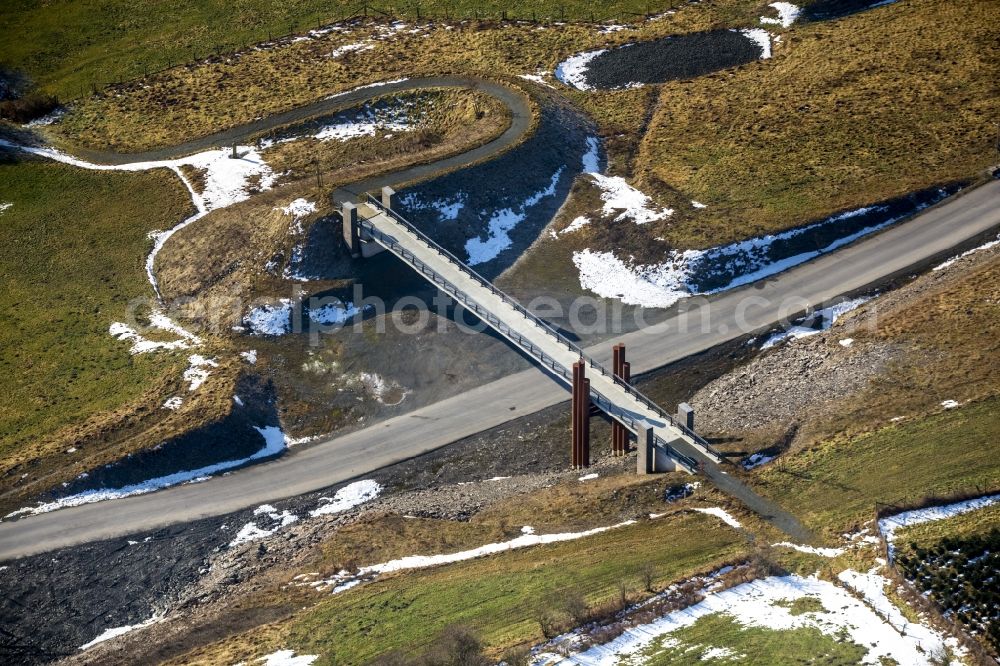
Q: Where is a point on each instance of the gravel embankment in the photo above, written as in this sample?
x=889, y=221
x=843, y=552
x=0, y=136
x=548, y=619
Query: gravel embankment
x=672, y=58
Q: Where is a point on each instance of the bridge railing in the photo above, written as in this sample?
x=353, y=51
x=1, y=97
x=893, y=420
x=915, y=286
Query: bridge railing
x=491, y=319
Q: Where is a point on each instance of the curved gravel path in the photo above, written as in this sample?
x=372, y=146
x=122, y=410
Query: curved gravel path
x=517, y=102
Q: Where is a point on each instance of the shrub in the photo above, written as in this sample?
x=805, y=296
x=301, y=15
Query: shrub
x=648, y=574
x=517, y=656
x=576, y=606
x=549, y=622
x=456, y=646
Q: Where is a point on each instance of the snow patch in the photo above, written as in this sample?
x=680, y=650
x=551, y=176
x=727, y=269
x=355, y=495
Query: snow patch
x=523, y=541
x=591, y=159
x=353, y=130
x=447, y=208
x=949, y=262
x=787, y=14
x=763, y=603
x=721, y=514
x=299, y=208
x=118, y=631
x=762, y=37
x=48, y=119
x=589, y=477
x=949, y=404
x=5, y=206
x=575, y=225
x=625, y=202
x=714, y=653
x=889, y=525
x=251, y=531
x=348, y=497
x=654, y=286
x=663, y=284
x=275, y=319
x=536, y=78
x=140, y=344
x=348, y=48
x=828, y=317
x=159, y=321
x=369, y=85
x=814, y=550
x=333, y=313
x=871, y=586
x=173, y=403
x=480, y=251
x=573, y=70
x=249, y=356
x=197, y=371
x=287, y=658
x=274, y=443
x=346, y=580
x=755, y=460
x=681, y=491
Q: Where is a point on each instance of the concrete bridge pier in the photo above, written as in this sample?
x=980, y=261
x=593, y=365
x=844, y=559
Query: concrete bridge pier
x=350, y=229
x=358, y=240
x=388, y=197
x=645, y=457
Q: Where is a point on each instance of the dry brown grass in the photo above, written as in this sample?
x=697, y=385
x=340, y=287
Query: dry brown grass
x=196, y=99
x=447, y=122
x=950, y=325
x=382, y=538
x=848, y=112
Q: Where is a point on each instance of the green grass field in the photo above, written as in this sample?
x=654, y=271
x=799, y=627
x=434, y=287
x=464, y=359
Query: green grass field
x=833, y=486
x=735, y=644
x=72, y=247
x=69, y=45
x=498, y=597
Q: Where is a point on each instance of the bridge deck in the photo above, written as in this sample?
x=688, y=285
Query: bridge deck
x=499, y=311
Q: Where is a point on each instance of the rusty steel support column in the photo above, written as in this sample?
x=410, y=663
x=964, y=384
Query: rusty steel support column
x=585, y=415
x=575, y=417
x=580, y=419
x=619, y=433
x=627, y=376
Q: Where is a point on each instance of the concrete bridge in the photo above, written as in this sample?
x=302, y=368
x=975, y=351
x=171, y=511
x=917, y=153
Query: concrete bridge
x=664, y=443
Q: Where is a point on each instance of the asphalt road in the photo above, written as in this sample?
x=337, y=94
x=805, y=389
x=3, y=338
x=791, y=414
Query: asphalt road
x=341, y=458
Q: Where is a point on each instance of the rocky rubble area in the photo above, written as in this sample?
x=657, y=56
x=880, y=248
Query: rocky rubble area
x=807, y=376
x=778, y=387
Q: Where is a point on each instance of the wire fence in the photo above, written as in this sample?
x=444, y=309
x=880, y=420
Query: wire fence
x=909, y=591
